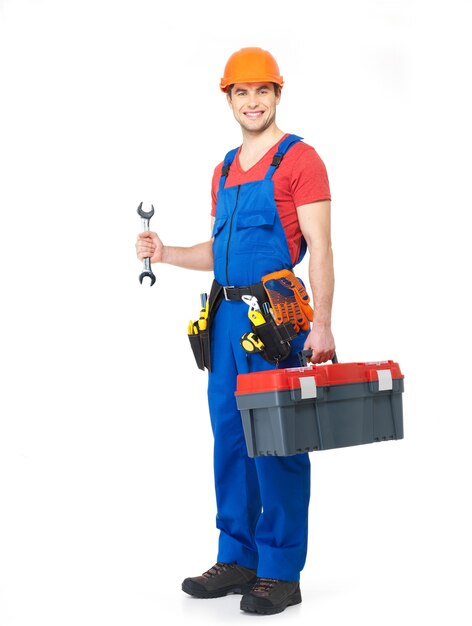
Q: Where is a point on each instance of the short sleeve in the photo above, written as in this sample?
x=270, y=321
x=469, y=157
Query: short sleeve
x=215, y=181
x=309, y=180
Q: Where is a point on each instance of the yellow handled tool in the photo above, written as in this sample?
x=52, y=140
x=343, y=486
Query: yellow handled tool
x=203, y=321
x=255, y=314
x=256, y=318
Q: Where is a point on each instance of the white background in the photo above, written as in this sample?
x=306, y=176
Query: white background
x=106, y=494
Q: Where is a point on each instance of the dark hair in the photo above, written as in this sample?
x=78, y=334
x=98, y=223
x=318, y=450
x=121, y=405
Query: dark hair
x=276, y=89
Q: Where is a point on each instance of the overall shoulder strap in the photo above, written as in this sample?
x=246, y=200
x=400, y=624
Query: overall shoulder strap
x=284, y=146
x=229, y=158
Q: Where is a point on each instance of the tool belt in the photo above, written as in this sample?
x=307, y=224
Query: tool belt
x=284, y=310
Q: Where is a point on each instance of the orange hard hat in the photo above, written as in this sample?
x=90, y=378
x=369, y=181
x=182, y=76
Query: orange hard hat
x=251, y=65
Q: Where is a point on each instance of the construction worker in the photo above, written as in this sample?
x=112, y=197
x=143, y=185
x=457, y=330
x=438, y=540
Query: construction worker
x=271, y=202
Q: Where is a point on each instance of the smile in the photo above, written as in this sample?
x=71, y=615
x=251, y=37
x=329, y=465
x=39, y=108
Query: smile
x=253, y=114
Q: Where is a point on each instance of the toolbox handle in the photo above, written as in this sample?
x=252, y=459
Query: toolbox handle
x=303, y=355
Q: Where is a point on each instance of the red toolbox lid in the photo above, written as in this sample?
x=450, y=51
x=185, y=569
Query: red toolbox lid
x=325, y=375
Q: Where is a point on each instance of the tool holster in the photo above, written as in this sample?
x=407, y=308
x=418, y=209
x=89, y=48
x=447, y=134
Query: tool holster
x=200, y=344
x=276, y=337
x=200, y=341
x=276, y=340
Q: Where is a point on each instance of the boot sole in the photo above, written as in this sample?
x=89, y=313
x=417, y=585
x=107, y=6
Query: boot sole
x=197, y=591
x=250, y=605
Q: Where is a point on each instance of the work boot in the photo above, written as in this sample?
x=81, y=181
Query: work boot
x=269, y=596
x=220, y=580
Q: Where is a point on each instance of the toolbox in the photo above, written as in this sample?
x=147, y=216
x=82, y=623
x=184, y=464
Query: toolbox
x=320, y=407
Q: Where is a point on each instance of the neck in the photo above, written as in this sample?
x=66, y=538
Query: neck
x=258, y=142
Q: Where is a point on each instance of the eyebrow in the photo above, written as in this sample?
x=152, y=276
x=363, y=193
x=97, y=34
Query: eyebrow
x=245, y=88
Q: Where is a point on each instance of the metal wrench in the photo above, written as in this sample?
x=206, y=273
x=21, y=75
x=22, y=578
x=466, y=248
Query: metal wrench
x=145, y=217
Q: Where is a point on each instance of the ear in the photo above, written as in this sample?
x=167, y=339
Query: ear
x=229, y=101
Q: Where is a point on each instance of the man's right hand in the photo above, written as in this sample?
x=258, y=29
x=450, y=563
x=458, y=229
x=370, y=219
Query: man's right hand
x=149, y=246
x=197, y=257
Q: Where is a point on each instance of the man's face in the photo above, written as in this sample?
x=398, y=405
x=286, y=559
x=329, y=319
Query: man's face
x=253, y=105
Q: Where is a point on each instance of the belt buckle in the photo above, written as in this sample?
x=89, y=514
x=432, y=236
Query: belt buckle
x=224, y=291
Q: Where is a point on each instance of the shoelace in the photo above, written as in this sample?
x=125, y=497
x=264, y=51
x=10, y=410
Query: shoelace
x=217, y=569
x=264, y=585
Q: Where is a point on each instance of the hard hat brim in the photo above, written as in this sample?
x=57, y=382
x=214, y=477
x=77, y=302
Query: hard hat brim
x=278, y=80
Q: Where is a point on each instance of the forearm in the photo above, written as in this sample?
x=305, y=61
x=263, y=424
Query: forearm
x=321, y=276
x=198, y=257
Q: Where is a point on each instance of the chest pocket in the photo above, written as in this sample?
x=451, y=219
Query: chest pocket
x=256, y=215
x=255, y=227
x=256, y=218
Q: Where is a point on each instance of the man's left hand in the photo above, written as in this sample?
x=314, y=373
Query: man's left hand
x=321, y=342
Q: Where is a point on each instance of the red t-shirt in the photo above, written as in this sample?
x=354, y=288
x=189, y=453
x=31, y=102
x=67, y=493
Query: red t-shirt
x=301, y=178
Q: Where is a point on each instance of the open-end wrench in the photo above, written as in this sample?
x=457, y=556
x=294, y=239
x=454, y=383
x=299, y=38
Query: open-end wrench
x=145, y=217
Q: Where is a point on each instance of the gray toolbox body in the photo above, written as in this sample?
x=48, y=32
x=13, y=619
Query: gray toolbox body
x=296, y=410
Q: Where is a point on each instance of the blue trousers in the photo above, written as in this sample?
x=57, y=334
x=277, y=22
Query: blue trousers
x=262, y=502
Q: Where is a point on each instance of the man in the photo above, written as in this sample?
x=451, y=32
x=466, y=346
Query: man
x=271, y=201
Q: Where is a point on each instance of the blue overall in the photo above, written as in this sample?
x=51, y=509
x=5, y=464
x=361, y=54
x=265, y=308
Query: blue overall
x=262, y=502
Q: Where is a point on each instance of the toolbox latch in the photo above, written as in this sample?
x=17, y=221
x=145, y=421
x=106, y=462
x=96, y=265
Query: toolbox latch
x=385, y=380
x=308, y=387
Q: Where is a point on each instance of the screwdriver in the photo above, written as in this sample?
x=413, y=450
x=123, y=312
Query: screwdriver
x=202, y=322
